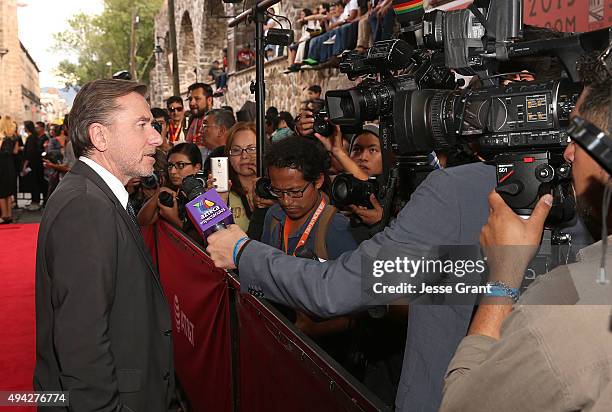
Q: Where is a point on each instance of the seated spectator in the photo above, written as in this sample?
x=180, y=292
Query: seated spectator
x=342, y=35
x=245, y=57
x=272, y=50
x=296, y=50
x=218, y=75
x=184, y=160
x=382, y=20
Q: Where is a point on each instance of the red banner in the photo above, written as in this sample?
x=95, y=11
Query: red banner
x=282, y=370
x=198, y=297
x=278, y=368
x=569, y=15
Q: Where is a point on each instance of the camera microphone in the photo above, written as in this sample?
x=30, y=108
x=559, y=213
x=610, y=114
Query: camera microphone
x=207, y=210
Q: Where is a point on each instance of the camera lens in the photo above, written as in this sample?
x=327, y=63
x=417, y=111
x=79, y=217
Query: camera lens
x=150, y=182
x=322, y=126
x=262, y=188
x=348, y=190
x=166, y=199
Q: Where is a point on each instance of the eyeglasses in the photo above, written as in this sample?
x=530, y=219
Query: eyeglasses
x=294, y=194
x=238, y=151
x=175, y=109
x=178, y=165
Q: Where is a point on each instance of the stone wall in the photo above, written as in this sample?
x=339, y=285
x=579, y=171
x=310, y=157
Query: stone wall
x=284, y=91
x=201, y=37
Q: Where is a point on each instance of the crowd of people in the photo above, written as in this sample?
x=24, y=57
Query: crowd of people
x=31, y=161
x=424, y=357
x=332, y=28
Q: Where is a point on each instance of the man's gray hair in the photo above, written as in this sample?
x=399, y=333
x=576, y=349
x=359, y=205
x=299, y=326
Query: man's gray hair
x=222, y=117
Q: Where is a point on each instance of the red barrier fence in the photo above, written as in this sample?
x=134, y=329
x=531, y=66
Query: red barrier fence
x=235, y=352
x=198, y=298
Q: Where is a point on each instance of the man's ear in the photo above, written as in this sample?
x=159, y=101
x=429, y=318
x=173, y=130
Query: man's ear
x=319, y=181
x=99, y=135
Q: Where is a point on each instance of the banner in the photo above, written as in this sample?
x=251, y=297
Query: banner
x=282, y=370
x=275, y=367
x=198, y=298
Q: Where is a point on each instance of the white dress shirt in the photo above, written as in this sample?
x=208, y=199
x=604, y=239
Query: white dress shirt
x=111, y=180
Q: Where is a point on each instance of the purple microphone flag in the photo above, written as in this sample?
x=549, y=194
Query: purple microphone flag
x=208, y=210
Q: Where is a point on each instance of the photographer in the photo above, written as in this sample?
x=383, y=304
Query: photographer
x=530, y=357
x=184, y=160
x=363, y=162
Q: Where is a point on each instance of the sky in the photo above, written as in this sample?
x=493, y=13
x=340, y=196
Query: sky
x=38, y=20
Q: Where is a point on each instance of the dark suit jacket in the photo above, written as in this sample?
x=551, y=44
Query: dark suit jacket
x=103, y=323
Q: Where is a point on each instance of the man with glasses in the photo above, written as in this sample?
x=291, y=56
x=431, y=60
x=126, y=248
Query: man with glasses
x=176, y=128
x=303, y=223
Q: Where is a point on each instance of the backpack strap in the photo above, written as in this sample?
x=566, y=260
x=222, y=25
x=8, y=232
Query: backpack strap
x=274, y=225
x=320, y=243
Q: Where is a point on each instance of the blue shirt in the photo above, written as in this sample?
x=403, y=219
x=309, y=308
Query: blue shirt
x=338, y=238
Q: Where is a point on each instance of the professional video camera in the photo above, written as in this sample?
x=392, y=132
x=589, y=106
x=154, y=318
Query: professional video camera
x=521, y=126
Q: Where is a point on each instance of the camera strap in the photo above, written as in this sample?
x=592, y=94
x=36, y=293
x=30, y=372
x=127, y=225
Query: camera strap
x=304, y=237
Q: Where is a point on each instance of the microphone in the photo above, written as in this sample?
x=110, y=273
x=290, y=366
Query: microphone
x=206, y=209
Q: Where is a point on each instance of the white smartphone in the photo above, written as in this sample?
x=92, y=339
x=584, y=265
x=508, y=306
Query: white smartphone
x=218, y=167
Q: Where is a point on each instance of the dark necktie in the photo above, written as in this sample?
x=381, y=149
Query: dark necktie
x=132, y=213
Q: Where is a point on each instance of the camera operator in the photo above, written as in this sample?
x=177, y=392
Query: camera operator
x=448, y=208
x=184, y=160
x=531, y=357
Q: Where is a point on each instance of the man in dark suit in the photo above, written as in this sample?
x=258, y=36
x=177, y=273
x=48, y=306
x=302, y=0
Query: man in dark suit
x=103, y=324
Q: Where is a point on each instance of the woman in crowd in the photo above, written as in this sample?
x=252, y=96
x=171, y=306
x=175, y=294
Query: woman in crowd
x=184, y=160
x=8, y=175
x=54, y=155
x=33, y=166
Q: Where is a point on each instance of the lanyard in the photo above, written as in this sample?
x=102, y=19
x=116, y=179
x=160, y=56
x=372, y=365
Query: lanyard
x=304, y=237
x=174, y=132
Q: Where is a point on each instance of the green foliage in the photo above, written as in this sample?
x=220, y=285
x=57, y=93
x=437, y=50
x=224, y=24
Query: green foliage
x=96, y=40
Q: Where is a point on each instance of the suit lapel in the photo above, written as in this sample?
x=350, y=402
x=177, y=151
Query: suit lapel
x=82, y=169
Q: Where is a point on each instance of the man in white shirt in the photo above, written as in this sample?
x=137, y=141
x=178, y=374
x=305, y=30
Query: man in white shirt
x=103, y=329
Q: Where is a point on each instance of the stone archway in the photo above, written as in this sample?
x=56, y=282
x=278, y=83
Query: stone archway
x=187, y=53
x=214, y=36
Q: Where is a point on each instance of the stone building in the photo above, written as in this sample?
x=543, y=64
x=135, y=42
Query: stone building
x=202, y=34
x=19, y=85
x=53, y=105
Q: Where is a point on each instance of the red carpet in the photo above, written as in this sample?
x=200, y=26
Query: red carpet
x=17, y=316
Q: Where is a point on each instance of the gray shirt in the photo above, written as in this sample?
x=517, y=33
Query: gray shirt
x=553, y=358
x=449, y=207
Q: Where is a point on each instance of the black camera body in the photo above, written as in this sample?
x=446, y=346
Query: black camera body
x=151, y=182
x=347, y=190
x=523, y=177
